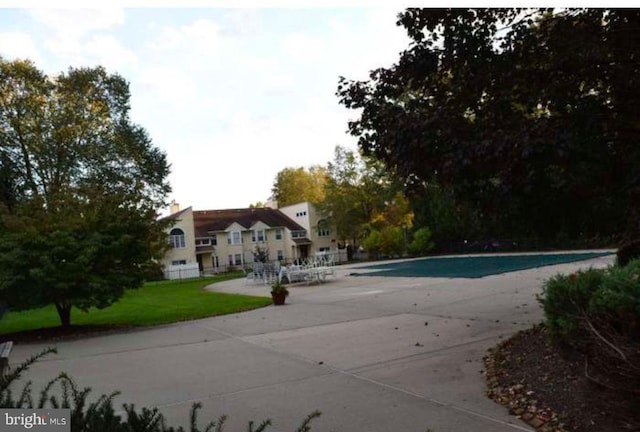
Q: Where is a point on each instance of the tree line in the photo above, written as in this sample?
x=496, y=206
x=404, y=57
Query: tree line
x=492, y=123
x=361, y=197
x=510, y=123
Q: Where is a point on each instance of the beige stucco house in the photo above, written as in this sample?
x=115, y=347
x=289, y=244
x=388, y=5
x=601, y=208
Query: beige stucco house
x=321, y=235
x=216, y=240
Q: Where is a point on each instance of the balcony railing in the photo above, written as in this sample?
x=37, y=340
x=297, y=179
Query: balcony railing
x=299, y=234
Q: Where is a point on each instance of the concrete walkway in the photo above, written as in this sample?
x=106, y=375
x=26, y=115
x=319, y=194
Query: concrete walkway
x=374, y=354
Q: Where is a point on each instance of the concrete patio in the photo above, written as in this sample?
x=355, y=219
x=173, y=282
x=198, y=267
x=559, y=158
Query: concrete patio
x=372, y=353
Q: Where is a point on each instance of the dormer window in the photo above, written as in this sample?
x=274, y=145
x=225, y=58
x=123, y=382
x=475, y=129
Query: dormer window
x=176, y=239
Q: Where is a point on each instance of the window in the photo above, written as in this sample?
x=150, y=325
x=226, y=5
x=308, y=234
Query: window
x=300, y=214
x=203, y=242
x=280, y=255
x=176, y=238
x=323, y=228
x=235, y=237
x=324, y=249
x=206, y=241
x=278, y=234
x=298, y=234
x=178, y=262
x=257, y=236
x=238, y=259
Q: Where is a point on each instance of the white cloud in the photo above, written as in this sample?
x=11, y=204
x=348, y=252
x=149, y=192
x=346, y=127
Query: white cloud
x=242, y=23
x=80, y=37
x=167, y=85
x=109, y=52
x=303, y=48
x=241, y=163
x=14, y=45
x=232, y=96
x=78, y=22
x=278, y=105
x=202, y=36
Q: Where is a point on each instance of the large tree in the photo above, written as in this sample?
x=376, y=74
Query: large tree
x=80, y=186
x=295, y=185
x=527, y=117
x=362, y=196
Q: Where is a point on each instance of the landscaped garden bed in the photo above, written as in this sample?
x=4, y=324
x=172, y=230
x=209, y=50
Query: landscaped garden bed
x=546, y=387
x=580, y=370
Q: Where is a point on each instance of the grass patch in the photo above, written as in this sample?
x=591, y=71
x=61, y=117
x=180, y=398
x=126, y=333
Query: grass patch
x=152, y=304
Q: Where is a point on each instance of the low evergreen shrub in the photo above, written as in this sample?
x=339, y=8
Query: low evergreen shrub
x=422, y=242
x=628, y=251
x=564, y=299
x=618, y=299
x=597, y=312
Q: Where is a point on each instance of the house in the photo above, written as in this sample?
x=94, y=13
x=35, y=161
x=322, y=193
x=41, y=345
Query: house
x=321, y=235
x=211, y=241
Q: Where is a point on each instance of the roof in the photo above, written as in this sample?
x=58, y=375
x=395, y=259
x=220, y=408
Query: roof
x=176, y=215
x=301, y=241
x=207, y=221
x=204, y=249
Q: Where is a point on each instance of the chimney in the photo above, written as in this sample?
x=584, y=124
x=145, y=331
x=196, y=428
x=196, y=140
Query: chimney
x=174, y=207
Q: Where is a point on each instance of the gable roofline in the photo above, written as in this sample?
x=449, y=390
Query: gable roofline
x=176, y=215
x=212, y=221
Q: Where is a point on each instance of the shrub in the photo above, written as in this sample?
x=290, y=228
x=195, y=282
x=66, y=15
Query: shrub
x=628, y=251
x=598, y=312
x=392, y=241
x=374, y=243
x=564, y=299
x=421, y=243
x=100, y=416
x=618, y=299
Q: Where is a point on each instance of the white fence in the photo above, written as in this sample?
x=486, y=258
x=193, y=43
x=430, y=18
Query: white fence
x=185, y=271
x=338, y=256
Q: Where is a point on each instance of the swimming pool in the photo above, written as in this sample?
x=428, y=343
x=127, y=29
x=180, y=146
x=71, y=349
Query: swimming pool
x=473, y=266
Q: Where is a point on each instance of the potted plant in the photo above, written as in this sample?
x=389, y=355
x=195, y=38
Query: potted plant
x=278, y=293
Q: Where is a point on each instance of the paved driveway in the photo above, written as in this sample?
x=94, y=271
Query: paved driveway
x=372, y=353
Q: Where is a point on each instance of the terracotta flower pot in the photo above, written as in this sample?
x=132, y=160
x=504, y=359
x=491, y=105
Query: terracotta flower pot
x=278, y=298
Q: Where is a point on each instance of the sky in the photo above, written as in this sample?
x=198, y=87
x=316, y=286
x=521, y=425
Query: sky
x=231, y=95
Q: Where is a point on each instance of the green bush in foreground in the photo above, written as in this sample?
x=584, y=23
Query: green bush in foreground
x=572, y=302
x=564, y=300
x=100, y=415
x=597, y=312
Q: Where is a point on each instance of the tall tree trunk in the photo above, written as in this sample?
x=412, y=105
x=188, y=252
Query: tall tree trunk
x=64, y=312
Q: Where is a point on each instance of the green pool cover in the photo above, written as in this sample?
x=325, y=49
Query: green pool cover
x=473, y=267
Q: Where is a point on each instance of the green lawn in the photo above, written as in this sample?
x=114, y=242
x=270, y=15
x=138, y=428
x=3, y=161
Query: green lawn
x=154, y=303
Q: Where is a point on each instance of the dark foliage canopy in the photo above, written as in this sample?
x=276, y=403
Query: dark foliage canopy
x=528, y=117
